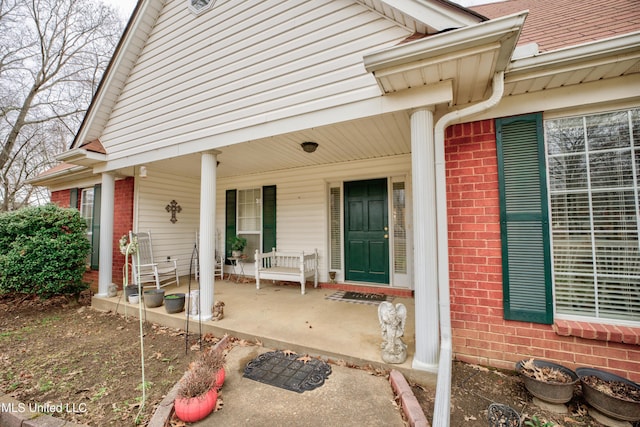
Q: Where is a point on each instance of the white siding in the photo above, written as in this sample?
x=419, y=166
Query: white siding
x=153, y=194
x=241, y=64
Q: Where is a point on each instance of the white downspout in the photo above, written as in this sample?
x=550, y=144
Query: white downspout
x=441, y=410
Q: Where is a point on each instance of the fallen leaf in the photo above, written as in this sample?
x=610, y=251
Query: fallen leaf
x=288, y=352
x=304, y=358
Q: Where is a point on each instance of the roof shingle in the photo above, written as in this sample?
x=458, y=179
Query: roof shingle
x=555, y=24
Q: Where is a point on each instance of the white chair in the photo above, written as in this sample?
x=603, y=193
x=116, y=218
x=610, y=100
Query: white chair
x=218, y=266
x=147, y=269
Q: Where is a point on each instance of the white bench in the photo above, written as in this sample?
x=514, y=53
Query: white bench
x=287, y=266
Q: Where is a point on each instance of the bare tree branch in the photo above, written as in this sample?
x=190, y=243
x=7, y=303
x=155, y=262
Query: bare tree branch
x=52, y=54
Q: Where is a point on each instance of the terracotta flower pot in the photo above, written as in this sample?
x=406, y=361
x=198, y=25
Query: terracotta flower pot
x=220, y=376
x=613, y=406
x=549, y=391
x=194, y=409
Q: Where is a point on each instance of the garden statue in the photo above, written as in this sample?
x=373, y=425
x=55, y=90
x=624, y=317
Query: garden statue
x=392, y=321
x=218, y=310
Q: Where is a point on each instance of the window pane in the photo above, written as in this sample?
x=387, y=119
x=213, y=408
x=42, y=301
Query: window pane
x=611, y=169
x=606, y=131
x=399, y=229
x=594, y=214
x=249, y=210
x=336, y=246
x=86, y=208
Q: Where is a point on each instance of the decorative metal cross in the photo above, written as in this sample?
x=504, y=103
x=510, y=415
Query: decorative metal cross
x=174, y=208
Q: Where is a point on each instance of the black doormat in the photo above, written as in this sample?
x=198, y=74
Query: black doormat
x=288, y=370
x=359, y=297
x=364, y=297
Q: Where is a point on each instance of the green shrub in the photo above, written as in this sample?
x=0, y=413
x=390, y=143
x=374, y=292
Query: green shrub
x=43, y=251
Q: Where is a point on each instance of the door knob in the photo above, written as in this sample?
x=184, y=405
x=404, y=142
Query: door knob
x=386, y=236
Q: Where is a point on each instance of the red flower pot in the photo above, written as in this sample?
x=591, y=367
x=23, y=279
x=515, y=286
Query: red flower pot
x=192, y=409
x=220, y=376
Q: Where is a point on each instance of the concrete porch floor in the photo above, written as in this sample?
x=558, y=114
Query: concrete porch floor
x=281, y=318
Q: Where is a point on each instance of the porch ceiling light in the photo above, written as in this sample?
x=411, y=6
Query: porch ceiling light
x=309, y=147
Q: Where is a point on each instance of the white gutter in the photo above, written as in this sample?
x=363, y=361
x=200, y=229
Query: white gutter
x=441, y=410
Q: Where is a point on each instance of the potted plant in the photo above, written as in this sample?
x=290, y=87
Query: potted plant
x=198, y=390
x=197, y=396
x=610, y=394
x=237, y=246
x=214, y=359
x=174, y=303
x=547, y=381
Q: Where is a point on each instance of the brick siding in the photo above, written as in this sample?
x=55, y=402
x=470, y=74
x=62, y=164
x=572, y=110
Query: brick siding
x=122, y=223
x=480, y=333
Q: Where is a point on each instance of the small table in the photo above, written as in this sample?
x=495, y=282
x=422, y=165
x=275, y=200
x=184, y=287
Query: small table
x=237, y=266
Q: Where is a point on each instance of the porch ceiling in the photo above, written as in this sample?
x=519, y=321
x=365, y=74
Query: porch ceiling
x=380, y=136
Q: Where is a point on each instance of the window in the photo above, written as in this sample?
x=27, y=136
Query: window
x=251, y=214
x=86, y=209
x=335, y=199
x=250, y=218
x=399, y=229
x=90, y=199
x=593, y=172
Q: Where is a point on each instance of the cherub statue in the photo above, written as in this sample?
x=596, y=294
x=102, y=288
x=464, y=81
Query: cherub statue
x=218, y=310
x=392, y=321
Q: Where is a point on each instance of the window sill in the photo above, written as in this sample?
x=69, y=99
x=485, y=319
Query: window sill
x=597, y=331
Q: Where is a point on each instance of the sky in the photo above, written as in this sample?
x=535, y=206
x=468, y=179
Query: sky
x=126, y=6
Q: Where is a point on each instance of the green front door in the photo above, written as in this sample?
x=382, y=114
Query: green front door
x=366, y=231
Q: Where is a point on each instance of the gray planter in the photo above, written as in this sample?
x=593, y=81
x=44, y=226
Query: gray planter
x=549, y=391
x=612, y=406
x=130, y=290
x=174, y=303
x=153, y=298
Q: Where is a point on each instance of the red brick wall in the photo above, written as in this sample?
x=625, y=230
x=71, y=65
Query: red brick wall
x=480, y=333
x=122, y=223
x=61, y=198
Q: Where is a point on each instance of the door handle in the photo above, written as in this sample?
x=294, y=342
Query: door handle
x=386, y=236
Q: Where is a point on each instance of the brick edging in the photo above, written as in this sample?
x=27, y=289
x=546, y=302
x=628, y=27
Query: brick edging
x=408, y=402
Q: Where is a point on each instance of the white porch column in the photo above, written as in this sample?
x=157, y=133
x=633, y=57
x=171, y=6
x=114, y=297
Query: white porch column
x=207, y=248
x=425, y=241
x=105, y=274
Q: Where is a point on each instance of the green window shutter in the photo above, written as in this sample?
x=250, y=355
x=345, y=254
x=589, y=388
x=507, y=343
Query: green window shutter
x=268, y=218
x=95, y=228
x=230, y=220
x=524, y=223
x=73, y=199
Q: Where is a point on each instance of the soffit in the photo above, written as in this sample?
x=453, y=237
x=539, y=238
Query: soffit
x=424, y=17
x=467, y=56
x=596, y=61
